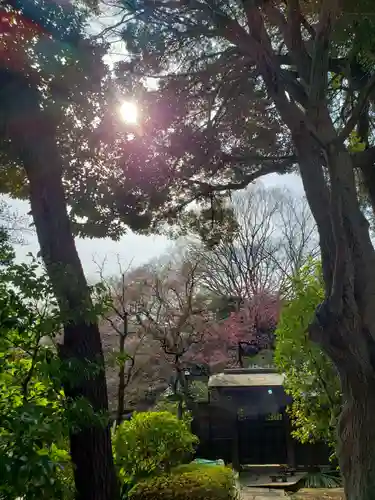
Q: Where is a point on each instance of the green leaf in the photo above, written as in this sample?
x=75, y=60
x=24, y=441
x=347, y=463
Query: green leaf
x=310, y=377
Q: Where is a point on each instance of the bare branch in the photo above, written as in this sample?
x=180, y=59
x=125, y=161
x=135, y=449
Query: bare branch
x=276, y=234
x=136, y=355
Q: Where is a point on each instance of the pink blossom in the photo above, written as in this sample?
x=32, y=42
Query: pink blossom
x=253, y=324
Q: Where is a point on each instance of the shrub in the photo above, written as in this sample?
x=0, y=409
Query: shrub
x=322, y=477
x=33, y=419
x=310, y=377
x=151, y=443
x=166, y=404
x=188, y=482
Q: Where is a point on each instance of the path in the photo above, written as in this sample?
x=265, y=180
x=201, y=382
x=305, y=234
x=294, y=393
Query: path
x=249, y=493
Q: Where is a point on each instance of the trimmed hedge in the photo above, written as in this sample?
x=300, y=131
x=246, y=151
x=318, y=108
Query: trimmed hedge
x=151, y=443
x=188, y=482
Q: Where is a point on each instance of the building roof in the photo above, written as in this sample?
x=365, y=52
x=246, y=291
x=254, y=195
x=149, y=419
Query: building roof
x=243, y=379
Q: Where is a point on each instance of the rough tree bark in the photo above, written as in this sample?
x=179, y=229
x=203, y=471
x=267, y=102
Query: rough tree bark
x=357, y=437
x=343, y=325
x=33, y=144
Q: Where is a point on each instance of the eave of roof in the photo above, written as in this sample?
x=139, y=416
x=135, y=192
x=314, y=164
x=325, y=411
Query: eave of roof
x=246, y=380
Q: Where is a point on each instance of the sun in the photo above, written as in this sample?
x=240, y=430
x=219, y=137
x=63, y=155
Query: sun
x=129, y=112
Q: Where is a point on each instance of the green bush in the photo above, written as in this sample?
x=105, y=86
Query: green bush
x=310, y=377
x=188, y=482
x=34, y=458
x=151, y=443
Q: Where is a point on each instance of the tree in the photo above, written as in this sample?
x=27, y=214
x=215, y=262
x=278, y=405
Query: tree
x=258, y=88
x=136, y=356
x=169, y=312
x=15, y=225
x=151, y=443
x=172, y=311
x=40, y=56
x=175, y=310
x=253, y=324
x=275, y=234
x=310, y=377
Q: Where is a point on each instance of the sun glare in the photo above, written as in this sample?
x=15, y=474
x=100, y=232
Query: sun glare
x=129, y=112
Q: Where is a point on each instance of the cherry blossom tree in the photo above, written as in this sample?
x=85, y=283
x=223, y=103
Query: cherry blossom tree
x=134, y=361
x=248, y=330
x=253, y=325
x=165, y=320
x=178, y=313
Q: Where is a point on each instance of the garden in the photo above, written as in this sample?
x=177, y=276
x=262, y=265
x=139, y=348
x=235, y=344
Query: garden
x=152, y=452
x=162, y=118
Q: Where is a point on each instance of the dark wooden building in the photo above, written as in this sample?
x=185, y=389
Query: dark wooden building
x=245, y=422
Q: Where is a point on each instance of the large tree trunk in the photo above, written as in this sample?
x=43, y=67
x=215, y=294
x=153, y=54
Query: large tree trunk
x=356, y=449
x=34, y=145
x=91, y=447
x=345, y=322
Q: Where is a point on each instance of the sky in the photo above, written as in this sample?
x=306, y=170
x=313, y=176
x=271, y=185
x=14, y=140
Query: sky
x=131, y=249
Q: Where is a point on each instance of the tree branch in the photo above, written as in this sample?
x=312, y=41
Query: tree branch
x=257, y=158
x=364, y=158
x=357, y=111
x=291, y=31
x=30, y=373
x=277, y=167
x=320, y=58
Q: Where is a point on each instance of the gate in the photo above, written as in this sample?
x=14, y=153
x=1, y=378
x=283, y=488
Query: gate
x=262, y=440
